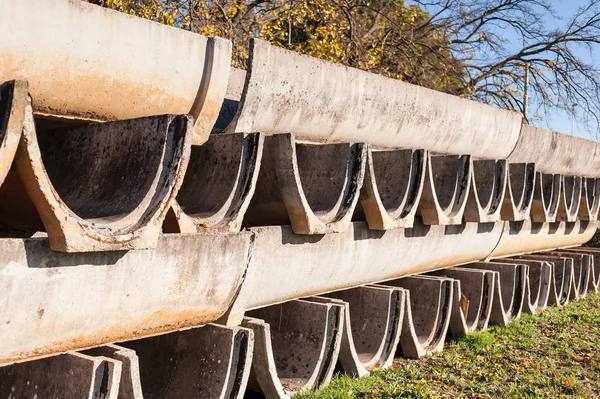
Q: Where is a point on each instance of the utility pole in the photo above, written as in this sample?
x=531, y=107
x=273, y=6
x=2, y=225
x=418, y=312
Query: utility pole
x=526, y=93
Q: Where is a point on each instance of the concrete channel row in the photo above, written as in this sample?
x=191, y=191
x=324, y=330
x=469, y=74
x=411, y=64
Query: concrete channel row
x=284, y=143
x=308, y=215
x=280, y=350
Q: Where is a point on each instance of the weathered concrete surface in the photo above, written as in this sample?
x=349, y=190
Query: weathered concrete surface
x=210, y=362
x=518, y=196
x=130, y=386
x=557, y=153
x=235, y=86
x=70, y=375
x=594, y=253
x=287, y=92
x=296, y=346
x=488, y=188
x=13, y=104
x=583, y=270
x=573, y=269
x=392, y=188
x=87, y=62
x=562, y=287
x=590, y=199
x=509, y=291
x=426, y=316
x=473, y=294
x=372, y=327
x=287, y=266
x=312, y=186
x=446, y=190
x=218, y=185
x=98, y=187
x=546, y=197
x=570, y=198
x=526, y=236
x=77, y=301
x=539, y=284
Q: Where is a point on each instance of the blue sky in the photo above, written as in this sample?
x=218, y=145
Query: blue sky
x=558, y=120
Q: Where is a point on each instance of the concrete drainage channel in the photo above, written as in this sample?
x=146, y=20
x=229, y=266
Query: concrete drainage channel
x=280, y=350
x=172, y=227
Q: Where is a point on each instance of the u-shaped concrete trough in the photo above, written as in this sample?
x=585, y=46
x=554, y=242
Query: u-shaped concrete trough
x=561, y=162
x=70, y=375
x=540, y=284
x=373, y=318
x=594, y=259
x=392, y=188
x=210, y=362
x=77, y=301
x=13, y=105
x=574, y=270
x=527, y=236
x=130, y=385
x=518, y=196
x=287, y=92
x=590, y=199
x=562, y=286
x=296, y=346
x=218, y=185
x=488, y=190
x=286, y=266
x=97, y=187
x=426, y=316
x=313, y=187
x=473, y=295
x=509, y=292
x=447, y=186
x=79, y=66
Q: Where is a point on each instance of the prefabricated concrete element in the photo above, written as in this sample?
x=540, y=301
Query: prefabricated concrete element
x=78, y=301
x=287, y=92
x=578, y=279
x=427, y=314
x=518, y=195
x=286, y=266
x=296, y=346
x=576, y=157
x=372, y=327
x=488, y=189
x=509, y=291
x=314, y=187
x=473, y=294
x=583, y=265
x=594, y=253
x=130, y=386
x=570, y=198
x=98, y=187
x=13, y=104
x=392, y=188
x=563, y=281
x=235, y=86
x=546, y=198
x=207, y=362
x=446, y=190
x=218, y=185
x=539, y=284
x=70, y=375
x=88, y=62
x=590, y=199
x=527, y=236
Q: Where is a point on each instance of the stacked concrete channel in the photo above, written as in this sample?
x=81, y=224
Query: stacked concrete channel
x=173, y=227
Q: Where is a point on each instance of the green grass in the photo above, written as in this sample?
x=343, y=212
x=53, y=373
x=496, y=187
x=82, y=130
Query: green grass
x=551, y=355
